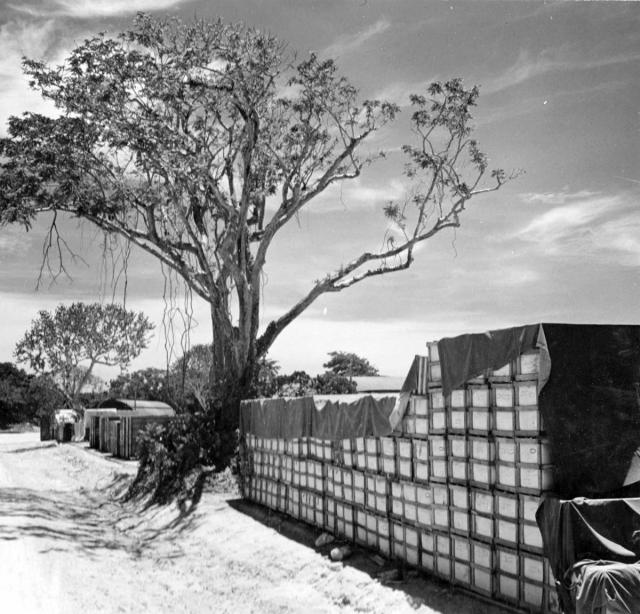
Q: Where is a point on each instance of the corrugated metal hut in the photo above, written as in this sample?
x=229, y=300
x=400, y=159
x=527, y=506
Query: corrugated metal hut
x=114, y=425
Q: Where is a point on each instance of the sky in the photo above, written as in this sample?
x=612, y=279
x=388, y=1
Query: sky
x=559, y=98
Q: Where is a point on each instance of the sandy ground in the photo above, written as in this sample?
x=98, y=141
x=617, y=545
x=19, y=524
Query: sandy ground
x=68, y=545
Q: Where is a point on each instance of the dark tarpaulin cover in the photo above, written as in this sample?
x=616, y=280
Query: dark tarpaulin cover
x=301, y=417
x=602, y=587
x=588, y=396
x=591, y=529
x=591, y=409
x=467, y=356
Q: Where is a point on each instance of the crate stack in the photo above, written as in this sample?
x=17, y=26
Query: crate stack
x=490, y=465
x=453, y=491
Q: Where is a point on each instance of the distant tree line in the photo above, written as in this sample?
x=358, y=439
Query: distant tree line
x=25, y=397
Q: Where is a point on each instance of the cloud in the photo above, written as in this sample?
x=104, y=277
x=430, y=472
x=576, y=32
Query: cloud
x=19, y=38
x=400, y=91
x=604, y=228
x=355, y=194
x=555, y=198
x=351, y=42
x=523, y=106
x=86, y=9
x=527, y=67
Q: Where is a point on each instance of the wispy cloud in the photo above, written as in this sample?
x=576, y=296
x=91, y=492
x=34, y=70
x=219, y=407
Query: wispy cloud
x=555, y=198
x=400, y=91
x=18, y=38
x=540, y=102
x=351, y=42
x=357, y=195
x=85, y=9
x=602, y=227
x=528, y=67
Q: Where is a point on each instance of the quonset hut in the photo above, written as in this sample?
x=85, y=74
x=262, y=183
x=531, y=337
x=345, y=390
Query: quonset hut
x=114, y=425
x=477, y=458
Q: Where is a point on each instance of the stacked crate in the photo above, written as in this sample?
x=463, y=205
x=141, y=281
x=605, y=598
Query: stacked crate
x=453, y=491
x=498, y=467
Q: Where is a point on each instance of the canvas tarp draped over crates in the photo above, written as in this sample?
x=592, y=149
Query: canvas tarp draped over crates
x=449, y=479
x=342, y=417
x=588, y=385
x=594, y=548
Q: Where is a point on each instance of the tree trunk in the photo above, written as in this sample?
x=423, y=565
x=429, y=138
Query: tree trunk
x=231, y=383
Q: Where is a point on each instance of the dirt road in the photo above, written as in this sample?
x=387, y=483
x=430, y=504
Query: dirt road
x=67, y=546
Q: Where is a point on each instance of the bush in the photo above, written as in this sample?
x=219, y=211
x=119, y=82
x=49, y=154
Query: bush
x=176, y=458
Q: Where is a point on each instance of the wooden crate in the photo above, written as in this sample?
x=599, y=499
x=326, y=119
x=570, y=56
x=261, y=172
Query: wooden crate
x=530, y=537
x=377, y=493
x=482, y=449
x=420, y=405
x=526, y=393
x=404, y=456
x=442, y=554
x=457, y=420
x=438, y=421
x=440, y=494
x=481, y=501
x=482, y=527
x=458, y=470
x=457, y=447
x=528, y=365
x=480, y=421
x=423, y=375
x=504, y=421
x=506, y=450
x=479, y=396
x=502, y=374
x=406, y=543
x=507, y=575
x=427, y=550
x=441, y=517
x=507, y=476
x=424, y=502
x=533, y=451
x=535, y=479
x=503, y=395
x=482, y=474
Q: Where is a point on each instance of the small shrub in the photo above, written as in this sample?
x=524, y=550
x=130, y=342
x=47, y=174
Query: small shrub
x=175, y=458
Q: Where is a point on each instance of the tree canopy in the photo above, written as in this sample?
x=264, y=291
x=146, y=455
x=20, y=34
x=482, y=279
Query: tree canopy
x=200, y=141
x=68, y=343
x=24, y=397
x=349, y=364
x=150, y=384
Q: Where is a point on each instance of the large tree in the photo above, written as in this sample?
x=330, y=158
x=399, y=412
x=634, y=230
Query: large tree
x=68, y=343
x=199, y=142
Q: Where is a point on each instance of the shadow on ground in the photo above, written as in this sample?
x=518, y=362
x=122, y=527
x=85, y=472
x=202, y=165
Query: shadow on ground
x=89, y=521
x=420, y=588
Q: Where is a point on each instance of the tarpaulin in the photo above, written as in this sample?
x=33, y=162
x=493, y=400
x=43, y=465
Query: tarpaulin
x=467, y=356
x=365, y=416
x=602, y=587
x=588, y=383
x=591, y=409
x=587, y=529
x=408, y=387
